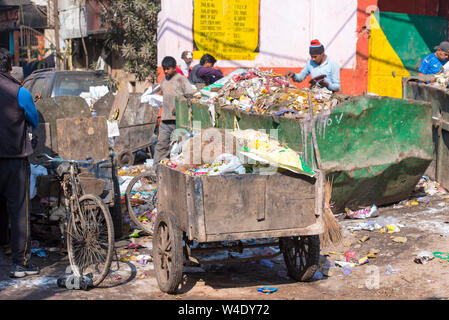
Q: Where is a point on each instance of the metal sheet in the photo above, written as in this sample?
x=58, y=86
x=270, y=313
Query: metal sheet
x=375, y=148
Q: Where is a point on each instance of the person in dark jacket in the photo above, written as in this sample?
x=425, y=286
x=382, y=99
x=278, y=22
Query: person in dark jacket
x=19, y=116
x=204, y=72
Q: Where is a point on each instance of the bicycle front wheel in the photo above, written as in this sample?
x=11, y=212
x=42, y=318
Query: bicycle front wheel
x=90, y=239
x=141, y=200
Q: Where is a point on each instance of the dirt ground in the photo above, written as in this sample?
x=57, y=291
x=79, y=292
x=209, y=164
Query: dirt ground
x=391, y=275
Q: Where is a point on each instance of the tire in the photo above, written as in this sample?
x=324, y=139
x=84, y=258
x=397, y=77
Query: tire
x=301, y=256
x=93, y=219
x=125, y=158
x=167, y=253
x=147, y=227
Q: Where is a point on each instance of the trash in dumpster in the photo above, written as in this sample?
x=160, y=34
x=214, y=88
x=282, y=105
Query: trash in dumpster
x=260, y=147
x=441, y=80
x=362, y=213
x=255, y=145
x=94, y=94
x=423, y=257
x=265, y=92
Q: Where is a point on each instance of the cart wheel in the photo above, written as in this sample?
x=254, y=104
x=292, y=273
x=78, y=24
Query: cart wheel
x=168, y=253
x=146, y=185
x=301, y=256
x=126, y=158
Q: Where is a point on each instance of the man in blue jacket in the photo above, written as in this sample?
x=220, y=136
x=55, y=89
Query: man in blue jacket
x=325, y=73
x=19, y=116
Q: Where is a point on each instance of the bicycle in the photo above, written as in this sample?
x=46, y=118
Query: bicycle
x=88, y=228
x=141, y=201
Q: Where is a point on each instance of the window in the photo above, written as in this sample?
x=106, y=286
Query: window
x=40, y=86
x=75, y=84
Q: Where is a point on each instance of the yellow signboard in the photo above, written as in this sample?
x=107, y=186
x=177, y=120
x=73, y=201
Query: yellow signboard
x=226, y=29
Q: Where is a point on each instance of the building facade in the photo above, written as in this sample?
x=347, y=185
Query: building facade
x=275, y=35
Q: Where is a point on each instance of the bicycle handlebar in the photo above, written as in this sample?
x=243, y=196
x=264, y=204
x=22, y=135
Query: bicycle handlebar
x=61, y=160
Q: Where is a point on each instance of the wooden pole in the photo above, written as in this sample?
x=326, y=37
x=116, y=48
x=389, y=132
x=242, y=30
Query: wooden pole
x=56, y=28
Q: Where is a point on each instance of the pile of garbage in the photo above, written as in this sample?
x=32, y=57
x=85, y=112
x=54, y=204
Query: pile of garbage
x=264, y=92
x=229, y=152
x=95, y=93
x=442, y=80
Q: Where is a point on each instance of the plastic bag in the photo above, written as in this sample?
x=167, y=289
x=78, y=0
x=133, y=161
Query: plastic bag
x=36, y=171
x=232, y=164
x=154, y=100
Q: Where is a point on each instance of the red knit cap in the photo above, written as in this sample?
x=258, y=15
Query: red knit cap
x=316, y=47
x=315, y=43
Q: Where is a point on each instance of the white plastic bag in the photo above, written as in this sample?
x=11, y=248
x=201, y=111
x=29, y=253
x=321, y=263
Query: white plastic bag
x=232, y=164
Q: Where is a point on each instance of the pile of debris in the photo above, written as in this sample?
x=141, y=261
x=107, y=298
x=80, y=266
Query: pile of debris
x=442, y=80
x=265, y=92
x=230, y=152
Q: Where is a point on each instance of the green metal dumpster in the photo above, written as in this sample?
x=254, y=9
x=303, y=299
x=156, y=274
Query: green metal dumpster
x=418, y=88
x=374, y=149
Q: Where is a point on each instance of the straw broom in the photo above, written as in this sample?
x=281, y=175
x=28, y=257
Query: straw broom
x=332, y=229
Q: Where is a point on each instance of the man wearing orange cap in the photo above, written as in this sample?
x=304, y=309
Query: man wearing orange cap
x=325, y=73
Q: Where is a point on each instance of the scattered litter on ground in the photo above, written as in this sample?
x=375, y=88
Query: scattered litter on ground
x=362, y=213
x=423, y=199
x=390, y=270
x=400, y=239
x=364, y=239
x=267, y=290
x=318, y=275
x=441, y=255
x=144, y=259
x=39, y=252
x=135, y=234
x=423, y=257
x=345, y=264
x=72, y=282
x=267, y=263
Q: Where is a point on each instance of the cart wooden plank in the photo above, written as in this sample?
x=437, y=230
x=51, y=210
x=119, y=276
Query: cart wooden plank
x=81, y=138
x=233, y=207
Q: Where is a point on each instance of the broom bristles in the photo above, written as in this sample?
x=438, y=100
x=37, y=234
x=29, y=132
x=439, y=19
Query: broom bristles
x=332, y=229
